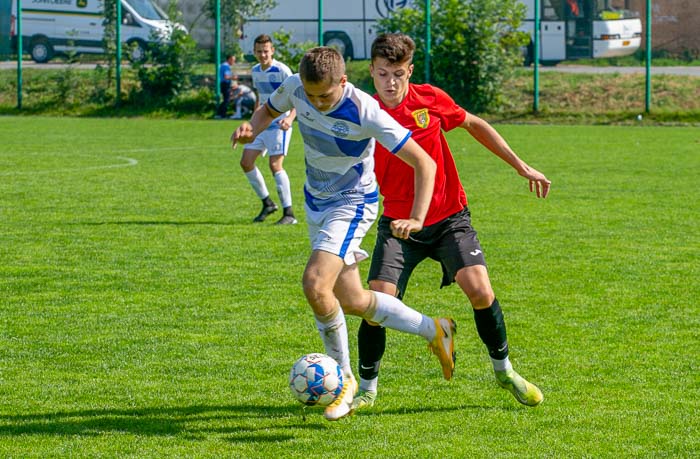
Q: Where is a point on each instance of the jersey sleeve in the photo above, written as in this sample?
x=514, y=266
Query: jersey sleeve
x=380, y=125
x=451, y=114
x=281, y=100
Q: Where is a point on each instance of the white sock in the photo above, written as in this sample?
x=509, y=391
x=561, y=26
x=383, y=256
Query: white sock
x=502, y=365
x=283, y=188
x=334, y=334
x=369, y=384
x=257, y=181
x=393, y=313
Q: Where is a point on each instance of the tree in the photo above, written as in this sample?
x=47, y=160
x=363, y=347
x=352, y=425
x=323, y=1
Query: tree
x=475, y=46
x=290, y=52
x=233, y=14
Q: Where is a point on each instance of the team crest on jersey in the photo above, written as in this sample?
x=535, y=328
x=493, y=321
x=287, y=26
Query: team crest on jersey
x=421, y=117
x=340, y=129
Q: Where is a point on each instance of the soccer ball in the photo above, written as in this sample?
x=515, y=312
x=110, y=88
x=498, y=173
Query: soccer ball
x=316, y=380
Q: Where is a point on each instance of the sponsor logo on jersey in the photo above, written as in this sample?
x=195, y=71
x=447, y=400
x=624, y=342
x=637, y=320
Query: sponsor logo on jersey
x=422, y=118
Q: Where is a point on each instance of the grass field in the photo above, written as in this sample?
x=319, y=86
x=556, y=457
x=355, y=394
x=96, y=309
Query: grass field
x=143, y=315
x=603, y=99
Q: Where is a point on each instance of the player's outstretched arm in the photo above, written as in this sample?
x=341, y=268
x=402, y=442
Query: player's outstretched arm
x=424, y=168
x=248, y=131
x=486, y=135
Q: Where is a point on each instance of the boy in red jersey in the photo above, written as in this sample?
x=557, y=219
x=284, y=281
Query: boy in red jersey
x=447, y=235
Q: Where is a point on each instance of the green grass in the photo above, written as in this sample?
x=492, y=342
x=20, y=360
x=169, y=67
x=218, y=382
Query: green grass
x=563, y=98
x=143, y=315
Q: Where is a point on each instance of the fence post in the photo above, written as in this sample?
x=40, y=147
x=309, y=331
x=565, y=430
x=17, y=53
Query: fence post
x=118, y=33
x=536, y=61
x=320, y=22
x=428, y=39
x=19, y=54
x=647, y=88
x=217, y=50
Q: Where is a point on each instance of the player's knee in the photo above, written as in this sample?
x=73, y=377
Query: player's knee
x=247, y=164
x=481, y=298
x=383, y=286
x=353, y=304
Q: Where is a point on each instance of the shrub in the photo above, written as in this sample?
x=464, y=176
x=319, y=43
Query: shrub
x=288, y=52
x=168, y=66
x=475, y=46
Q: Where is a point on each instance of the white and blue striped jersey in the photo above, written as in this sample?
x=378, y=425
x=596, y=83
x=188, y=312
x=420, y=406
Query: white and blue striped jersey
x=268, y=80
x=339, y=144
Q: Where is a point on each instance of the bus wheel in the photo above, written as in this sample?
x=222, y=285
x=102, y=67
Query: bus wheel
x=339, y=41
x=40, y=50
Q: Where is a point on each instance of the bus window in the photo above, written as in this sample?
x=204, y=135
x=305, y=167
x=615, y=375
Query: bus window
x=613, y=9
x=553, y=10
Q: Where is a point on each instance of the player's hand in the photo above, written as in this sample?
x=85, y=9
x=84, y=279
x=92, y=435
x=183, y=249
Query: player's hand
x=243, y=134
x=403, y=228
x=284, y=124
x=538, y=182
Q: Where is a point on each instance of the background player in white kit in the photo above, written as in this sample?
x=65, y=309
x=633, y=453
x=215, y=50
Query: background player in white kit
x=268, y=74
x=339, y=124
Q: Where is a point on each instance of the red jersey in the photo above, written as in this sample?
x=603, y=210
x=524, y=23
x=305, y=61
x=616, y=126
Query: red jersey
x=427, y=111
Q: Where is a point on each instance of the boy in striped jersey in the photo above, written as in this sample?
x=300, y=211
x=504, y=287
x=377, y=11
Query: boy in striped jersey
x=339, y=125
x=268, y=74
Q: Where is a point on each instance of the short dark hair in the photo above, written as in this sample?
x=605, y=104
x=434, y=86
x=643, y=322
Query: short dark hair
x=397, y=48
x=262, y=39
x=322, y=64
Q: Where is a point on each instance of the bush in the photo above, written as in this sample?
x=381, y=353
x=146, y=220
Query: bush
x=168, y=66
x=288, y=52
x=475, y=46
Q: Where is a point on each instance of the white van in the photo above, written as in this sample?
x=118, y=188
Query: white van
x=55, y=26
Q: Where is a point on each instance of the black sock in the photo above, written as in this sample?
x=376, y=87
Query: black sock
x=371, y=342
x=492, y=330
x=267, y=202
x=288, y=211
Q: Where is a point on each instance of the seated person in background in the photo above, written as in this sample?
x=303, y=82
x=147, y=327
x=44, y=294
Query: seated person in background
x=244, y=98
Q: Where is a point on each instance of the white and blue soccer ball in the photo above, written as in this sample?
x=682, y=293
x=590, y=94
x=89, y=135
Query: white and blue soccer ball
x=316, y=380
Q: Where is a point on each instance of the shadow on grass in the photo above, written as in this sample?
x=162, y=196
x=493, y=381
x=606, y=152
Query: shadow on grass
x=162, y=222
x=239, y=422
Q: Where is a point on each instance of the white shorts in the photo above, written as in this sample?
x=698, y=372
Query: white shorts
x=339, y=230
x=273, y=141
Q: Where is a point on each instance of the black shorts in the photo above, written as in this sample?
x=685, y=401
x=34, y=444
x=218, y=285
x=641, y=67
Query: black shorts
x=452, y=242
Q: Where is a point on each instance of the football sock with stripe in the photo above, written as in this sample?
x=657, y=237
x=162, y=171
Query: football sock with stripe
x=371, y=343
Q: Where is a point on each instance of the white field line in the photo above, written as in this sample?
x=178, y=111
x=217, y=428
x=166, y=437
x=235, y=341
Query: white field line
x=129, y=162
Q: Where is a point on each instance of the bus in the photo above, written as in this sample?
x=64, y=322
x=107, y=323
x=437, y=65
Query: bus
x=348, y=25
x=570, y=29
x=579, y=29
